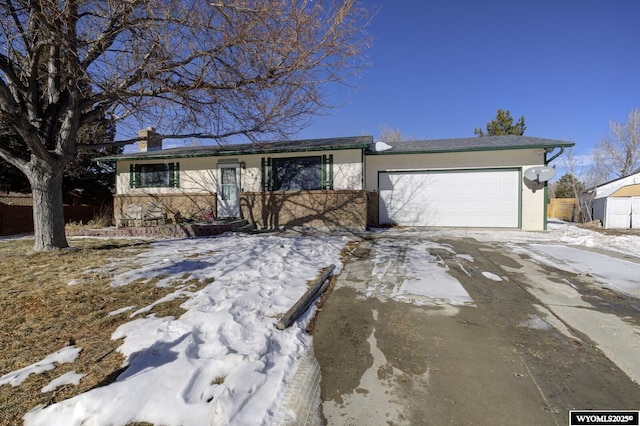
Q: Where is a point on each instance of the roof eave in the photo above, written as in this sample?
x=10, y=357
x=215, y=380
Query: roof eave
x=474, y=149
x=167, y=155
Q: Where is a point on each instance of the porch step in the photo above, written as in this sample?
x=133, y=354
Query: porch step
x=247, y=228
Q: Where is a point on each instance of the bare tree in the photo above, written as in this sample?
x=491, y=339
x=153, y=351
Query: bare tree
x=586, y=174
x=189, y=68
x=619, y=152
x=390, y=134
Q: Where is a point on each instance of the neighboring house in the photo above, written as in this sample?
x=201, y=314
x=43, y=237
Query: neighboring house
x=343, y=183
x=617, y=203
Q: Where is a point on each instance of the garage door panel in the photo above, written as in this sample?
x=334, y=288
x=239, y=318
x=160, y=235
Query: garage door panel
x=619, y=212
x=479, y=198
x=635, y=212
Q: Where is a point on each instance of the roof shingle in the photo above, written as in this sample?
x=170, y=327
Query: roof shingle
x=483, y=143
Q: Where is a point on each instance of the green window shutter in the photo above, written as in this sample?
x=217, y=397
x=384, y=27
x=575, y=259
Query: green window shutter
x=174, y=175
x=267, y=176
x=323, y=172
x=134, y=176
x=330, y=177
x=326, y=172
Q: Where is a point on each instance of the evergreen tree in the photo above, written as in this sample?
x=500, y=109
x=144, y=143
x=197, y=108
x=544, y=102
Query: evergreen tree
x=568, y=186
x=503, y=125
x=12, y=179
x=82, y=176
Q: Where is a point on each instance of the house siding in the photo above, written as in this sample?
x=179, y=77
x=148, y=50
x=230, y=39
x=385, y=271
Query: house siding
x=197, y=191
x=200, y=174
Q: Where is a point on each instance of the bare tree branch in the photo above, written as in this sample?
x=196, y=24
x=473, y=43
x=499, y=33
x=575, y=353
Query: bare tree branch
x=188, y=68
x=619, y=152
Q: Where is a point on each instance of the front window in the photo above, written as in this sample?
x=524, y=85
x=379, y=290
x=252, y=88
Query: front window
x=156, y=175
x=297, y=173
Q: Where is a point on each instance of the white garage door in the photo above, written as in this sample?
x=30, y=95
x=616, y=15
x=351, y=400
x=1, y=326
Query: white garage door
x=468, y=198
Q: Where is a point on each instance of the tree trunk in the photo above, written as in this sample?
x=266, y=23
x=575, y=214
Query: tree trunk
x=48, y=213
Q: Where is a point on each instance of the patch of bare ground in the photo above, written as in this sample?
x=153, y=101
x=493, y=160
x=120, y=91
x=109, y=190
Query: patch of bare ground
x=606, y=231
x=52, y=299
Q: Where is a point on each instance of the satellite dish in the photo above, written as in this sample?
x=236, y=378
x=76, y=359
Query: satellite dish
x=539, y=174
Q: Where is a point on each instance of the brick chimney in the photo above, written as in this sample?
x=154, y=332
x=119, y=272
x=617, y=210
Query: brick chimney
x=149, y=140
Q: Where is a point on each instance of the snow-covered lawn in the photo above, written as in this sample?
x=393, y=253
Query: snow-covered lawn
x=223, y=361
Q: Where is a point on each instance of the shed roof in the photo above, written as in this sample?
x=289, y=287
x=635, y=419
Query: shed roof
x=628, y=191
x=306, y=145
x=608, y=188
x=482, y=143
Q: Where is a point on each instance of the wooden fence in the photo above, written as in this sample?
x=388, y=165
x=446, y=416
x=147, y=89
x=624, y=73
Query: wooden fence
x=19, y=219
x=563, y=208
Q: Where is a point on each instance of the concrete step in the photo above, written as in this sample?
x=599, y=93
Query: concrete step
x=247, y=228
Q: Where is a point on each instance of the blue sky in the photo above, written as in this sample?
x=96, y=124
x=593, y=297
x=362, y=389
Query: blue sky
x=440, y=69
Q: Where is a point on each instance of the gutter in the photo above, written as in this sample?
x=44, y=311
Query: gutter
x=547, y=161
x=460, y=149
x=103, y=166
x=165, y=154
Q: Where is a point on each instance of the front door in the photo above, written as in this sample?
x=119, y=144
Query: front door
x=229, y=190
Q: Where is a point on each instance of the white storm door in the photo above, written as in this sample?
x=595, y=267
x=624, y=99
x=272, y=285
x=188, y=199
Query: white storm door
x=229, y=190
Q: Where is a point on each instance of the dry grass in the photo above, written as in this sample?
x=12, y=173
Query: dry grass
x=40, y=312
x=102, y=219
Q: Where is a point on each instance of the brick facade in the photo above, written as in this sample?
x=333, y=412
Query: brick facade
x=372, y=208
x=326, y=210
x=187, y=206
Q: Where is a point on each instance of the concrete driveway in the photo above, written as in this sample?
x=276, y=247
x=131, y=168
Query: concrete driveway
x=463, y=327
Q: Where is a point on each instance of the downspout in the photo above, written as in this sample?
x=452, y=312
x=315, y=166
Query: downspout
x=546, y=186
x=546, y=162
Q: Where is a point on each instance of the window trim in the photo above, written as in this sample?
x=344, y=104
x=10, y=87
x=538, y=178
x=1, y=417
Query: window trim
x=267, y=168
x=172, y=170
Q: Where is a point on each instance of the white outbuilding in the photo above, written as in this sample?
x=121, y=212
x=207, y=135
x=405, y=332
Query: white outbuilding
x=617, y=203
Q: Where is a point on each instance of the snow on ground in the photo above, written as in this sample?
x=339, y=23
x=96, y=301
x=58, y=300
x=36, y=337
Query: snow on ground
x=563, y=246
x=618, y=274
x=419, y=276
x=65, y=355
x=70, y=378
x=223, y=361
x=491, y=276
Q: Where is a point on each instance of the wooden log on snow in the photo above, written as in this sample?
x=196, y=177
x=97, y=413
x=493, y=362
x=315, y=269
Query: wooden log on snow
x=317, y=288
